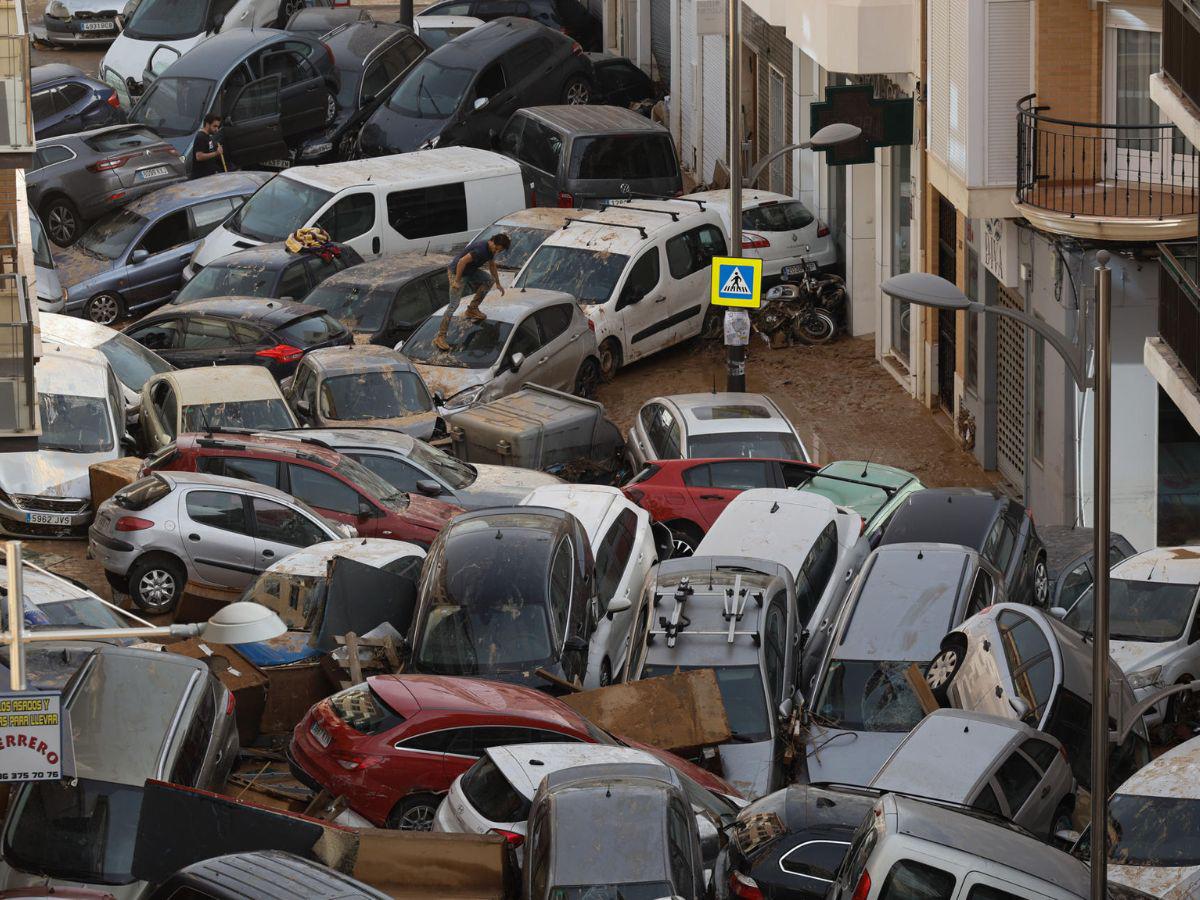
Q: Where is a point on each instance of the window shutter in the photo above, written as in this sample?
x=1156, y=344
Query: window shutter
x=938, y=79
x=1009, y=78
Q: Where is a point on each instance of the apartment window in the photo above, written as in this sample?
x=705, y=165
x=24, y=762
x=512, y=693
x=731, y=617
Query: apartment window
x=972, y=320
x=1039, y=397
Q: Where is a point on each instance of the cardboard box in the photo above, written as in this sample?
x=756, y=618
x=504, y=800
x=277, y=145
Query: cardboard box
x=292, y=690
x=110, y=476
x=246, y=681
x=680, y=713
x=420, y=864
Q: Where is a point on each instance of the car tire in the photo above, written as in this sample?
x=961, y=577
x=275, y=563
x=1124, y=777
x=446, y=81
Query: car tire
x=1041, y=583
x=588, y=378
x=940, y=672
x=610, y=358
x=578, y=91
x=414, y=813
x=1181, y=709
x=62, y=221
x=1062, y=819
x=156, y=583
x=103, y=309
x=685, y=538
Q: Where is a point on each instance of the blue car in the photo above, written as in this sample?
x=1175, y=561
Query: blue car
x=132, y=259
x=66, y=100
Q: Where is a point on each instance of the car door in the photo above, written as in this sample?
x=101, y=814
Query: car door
x=217, y=536
x=641, y=307
x=155, y=262
x=1021, y=785
x=622, y=562
x=207, y=341
x=718, y=483
x=303, y=99
x=421, y=760
x=411, y=306
x=332, y=498
x=46, y=116
x=294, y=281
x=689, y=264
x=159, y=416
x=482, y=122
x=397, y=471
x=538, y=149
x=252, y=131
x=558, y=358
x=526, y=340
x=163, y=336
x=353, y=220
x=280, y=530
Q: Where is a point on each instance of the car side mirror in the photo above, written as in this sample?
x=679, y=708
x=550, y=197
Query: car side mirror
x=138, y=256
x=1058, y=612
x=516, y=361
x=365, y=509
x=576, y=644
x=367, y=98
x=785, y=710
x=128, y=443
x=173, y=297
x=710, y=838
x=217, y=22
x=439, y=398
x=304, y=407
x=480, y=103
x=399, y=348
x=875, y=537
x=1019, y=706
x=1067, y=838
x=429, y=487
x=618, y=605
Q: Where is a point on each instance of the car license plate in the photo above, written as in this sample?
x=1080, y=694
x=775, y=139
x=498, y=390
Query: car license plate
x=320, y=734
x=98, y=26
x=154, y=172
x=797, y=269
x=47, y=519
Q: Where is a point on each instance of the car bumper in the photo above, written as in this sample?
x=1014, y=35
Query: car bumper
x=74, y=31
x=51, y=304
x=312, y=765
x=18, y=522
x=113, y=553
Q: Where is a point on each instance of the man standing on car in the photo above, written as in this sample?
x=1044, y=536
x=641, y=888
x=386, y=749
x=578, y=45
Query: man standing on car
x=208, y=156
x=466, y=271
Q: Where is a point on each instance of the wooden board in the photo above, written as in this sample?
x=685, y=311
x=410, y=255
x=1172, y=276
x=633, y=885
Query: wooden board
x=680, y=713
x=110, y=476
x=420, y=865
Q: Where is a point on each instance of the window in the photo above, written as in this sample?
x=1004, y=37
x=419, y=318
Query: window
x=168, y=232
x=322, y=490
x=536, y=145
x=562, y=571
x=490, y=82
x=71, y=93
x=277, y=523
x=428, y=212
x=1041, y=752
x=206, y=334
x=539, y=853
x=789, y=215
x=413, y=304
x=643, y=278
x=693, y=250
x=43, y=105
x=293, y=282
x=697, y=476
x=741, y=475
x=260, y=471
x=257, y=100
x=165, y=335
x=651, y=416
x=622, y=76
x=431, y=742
x=554, y=321
x=207, y=216
x=192, y=751
x=624, y=156
x=774, y=635
x=48, y=156
x=818, y=860
x=289, y=66
x=395, y=472
x=1078, y=580
x=1000, y=543
x=679, y=846
x=1017, y=779
x=987, y=802
x=217, y=510
x=320, y=269
x=525, y=340
x=818, y=568
x=670, y=446
x=350, y=217
x=910, y=880
x=390, y=65
x=614, y=553
x=987, y=892
x=981, y=592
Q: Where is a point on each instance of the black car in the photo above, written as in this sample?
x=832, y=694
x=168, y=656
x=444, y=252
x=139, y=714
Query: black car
x=505, y=592
x=464, y=91
x=371, y=58
x=568, y=16
x=230, y=331
x=1070, y=562
x=987, y=521
x=320, y=20
x=788, y=845
x=274, y=90
x=268, y=270
x=384, y=300
x=619, y=82
x=65, y=100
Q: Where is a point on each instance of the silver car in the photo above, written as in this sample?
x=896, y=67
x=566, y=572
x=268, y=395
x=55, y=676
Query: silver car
x=175, y=528
x=529, y=336
x=82, y=21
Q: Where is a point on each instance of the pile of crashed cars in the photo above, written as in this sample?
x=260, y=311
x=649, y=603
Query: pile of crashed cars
x=526, y=655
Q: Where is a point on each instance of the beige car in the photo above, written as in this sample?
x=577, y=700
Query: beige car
x=217, y=398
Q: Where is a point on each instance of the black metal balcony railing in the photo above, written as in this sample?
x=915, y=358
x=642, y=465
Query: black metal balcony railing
x=1108, y=171
x=1179, y=302
x=1181, y=46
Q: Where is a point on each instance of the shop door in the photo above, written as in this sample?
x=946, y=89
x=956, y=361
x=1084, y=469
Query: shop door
x=947, y=324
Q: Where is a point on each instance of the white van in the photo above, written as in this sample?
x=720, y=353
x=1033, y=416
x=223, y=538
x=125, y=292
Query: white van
x=640, y=271
x=431, y=200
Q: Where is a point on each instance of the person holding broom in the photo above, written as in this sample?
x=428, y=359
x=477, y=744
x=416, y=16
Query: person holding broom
x=208, y=157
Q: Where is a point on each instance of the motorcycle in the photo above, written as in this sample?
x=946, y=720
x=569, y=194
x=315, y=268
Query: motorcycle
x=808, y=308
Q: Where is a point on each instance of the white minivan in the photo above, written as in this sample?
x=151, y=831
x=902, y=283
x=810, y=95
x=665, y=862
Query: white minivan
x=428, y=200
x=640, y=271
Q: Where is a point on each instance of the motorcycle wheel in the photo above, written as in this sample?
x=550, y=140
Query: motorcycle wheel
x=817, y=327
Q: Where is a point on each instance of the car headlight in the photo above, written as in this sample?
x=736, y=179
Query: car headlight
x=56, y=9
x=1144, y=678
x=316, y=149
x=465, y=397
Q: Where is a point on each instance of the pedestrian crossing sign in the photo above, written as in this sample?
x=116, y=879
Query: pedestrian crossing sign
x=736, y=282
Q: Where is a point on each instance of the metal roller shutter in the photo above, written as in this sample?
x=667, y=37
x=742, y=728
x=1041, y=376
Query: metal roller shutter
x=660, y=38
x=1010, y=391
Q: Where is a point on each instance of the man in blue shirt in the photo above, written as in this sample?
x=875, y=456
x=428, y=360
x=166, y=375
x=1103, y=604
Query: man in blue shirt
x=466, y=274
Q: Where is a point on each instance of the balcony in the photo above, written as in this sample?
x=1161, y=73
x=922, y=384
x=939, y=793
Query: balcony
x=16, y=123
x=1101, y=182
x=853, y=37
x=18, y=395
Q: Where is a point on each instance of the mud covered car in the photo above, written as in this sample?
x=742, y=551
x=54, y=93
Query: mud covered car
x=269, y=270
x=527, y=229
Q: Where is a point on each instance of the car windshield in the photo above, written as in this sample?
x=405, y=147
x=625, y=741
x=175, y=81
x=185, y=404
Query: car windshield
x=227, y=281
x=641, y=890
x=629, y=156
x=111, y=235
x=374, y=395
x=296, y=599
x=524, y=242
x=173, y=106
x=750, y=444
x=74, y=424
x=1139, y=833
x=464, y=632
x=77, y=612
x=166, y=20
x=260, y=415
x=590, y=276
x=132, y=363
x=277, y=209
x=75, y=830
x=431, y=90
x=41, y=247
x=862, y=498
x=359, y=307
x=435, y=37
x=1139, y=610
x=743, y=693
x=473, y=345
x=868, y=695
x=454, y=473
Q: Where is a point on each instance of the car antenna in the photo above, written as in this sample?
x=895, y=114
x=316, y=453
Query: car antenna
x=867, y=464
x=207, y=424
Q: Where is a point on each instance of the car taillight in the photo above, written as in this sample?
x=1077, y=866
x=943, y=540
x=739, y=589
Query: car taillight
x=514, y=839
x=823, y=231
x=230, y=705
x=576, y=50
x=114, y=101
x=284, y=353
x=565, y=200
x=133, y=523
x=863, y=888
x=107, y=165
x=744, y=887
x=752, y=241
x=591, y=325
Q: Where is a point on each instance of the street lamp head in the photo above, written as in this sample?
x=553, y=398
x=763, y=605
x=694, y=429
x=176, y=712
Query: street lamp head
x=242, y=623
x=925, y=289
x=834, y=134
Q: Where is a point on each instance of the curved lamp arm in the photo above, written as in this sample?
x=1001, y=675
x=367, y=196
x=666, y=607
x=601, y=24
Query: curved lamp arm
x=1071, y=355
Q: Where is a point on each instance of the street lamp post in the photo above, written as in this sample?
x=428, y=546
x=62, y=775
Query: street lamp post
x=925, y=289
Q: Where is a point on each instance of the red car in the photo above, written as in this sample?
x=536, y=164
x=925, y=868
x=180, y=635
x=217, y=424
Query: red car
x=687, y=495
x=334, y=485
x=394, y=744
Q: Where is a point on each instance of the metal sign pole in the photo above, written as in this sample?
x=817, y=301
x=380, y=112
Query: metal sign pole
x=735, y=356
x=16, y=616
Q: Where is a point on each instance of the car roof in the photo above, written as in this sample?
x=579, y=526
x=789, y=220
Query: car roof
x=906, y=601
x=477, y=46
x=222, y=384
x=267, y=311
x=517, y=303
x=358, y=358
x=464, y=695
x=586, y=119
x=224, y=50
x=591, y=504
x=750, y=199
x=964, y=515
x=418, y=167
x=262, y=442
x=338, y=438
x=525, y=765
x=719, y=413
x=68, y=369
x=273, y=255
x=947, y=753
x=1162, y=565
x=769, y=521
x=546, y=218
x=389, y=269
x=40, y=75
x=355, y=41
x=186, y=193
x=237, y=485
x=313, y=561
x=635, y=224
x=1175, y=773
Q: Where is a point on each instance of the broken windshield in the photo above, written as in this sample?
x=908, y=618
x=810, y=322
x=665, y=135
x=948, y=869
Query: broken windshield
x=869, y=695
x=590, y=276
x=473, y=345
x=374, y=395
x=227, y=281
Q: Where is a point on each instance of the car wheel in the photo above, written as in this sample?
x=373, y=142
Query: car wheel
x=610, y=358
x=577, y=91
x=588, y=378
x=1062, y=820
x=685, y=538
x=414, y=813
x=62, y=221
x=103, y=309
x=942, y=668
x=156, y=583
x=1041, y=583
x=605, y=673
